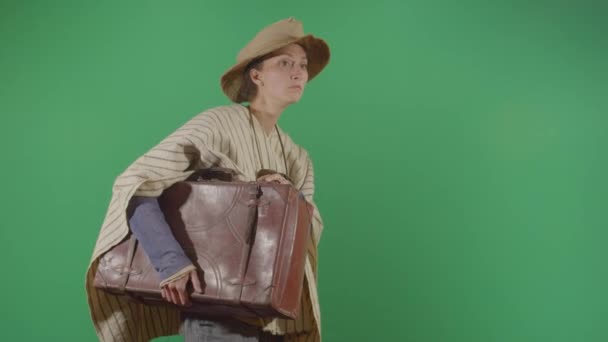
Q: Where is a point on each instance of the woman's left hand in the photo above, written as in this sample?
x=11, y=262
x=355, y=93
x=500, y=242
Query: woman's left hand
x=275, y=177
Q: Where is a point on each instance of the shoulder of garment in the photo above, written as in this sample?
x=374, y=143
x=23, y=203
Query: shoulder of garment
x=219, y=119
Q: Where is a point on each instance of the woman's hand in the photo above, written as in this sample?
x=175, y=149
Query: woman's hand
x=274, y=177
x=176, y=291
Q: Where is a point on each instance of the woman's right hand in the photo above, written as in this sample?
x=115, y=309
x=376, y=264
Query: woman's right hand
x=176, y=291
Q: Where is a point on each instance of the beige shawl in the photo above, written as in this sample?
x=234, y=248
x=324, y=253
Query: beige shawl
x=221, y=136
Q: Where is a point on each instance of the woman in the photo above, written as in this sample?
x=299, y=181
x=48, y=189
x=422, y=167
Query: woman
x=271, y=73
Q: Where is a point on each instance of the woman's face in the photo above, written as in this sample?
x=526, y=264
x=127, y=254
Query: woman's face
x=283, y=77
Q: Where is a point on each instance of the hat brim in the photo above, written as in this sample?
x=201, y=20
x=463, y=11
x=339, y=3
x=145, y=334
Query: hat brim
x=317, y=53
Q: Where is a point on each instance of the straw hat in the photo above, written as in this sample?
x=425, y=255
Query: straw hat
x=269, y=39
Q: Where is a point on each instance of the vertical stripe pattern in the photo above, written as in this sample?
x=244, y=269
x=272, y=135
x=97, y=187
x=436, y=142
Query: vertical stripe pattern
x=220, y=136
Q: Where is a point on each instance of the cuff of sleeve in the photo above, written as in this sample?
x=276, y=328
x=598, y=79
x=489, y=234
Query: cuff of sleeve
x=172, y=259
x=177, y=275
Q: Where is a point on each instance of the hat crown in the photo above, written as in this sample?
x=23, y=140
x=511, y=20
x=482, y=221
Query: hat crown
x=270, y=37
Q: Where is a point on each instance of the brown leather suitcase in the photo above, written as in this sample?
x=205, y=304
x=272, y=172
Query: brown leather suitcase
x=247, y=240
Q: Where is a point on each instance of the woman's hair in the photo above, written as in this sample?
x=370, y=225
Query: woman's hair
x=249, y=90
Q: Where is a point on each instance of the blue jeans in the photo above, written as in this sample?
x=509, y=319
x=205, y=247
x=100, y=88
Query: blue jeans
x=204, y=329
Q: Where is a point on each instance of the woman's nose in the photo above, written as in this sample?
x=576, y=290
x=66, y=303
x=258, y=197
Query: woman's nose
x=296, y=73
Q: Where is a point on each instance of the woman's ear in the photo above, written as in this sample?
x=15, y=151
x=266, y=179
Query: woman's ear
x=255, y=76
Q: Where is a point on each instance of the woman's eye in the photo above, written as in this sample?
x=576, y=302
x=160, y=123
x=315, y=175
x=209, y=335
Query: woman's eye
x=304, y=66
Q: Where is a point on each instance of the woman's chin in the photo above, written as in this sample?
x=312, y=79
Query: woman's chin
x=293, y=98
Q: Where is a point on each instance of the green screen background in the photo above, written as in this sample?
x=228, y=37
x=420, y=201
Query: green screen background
x=459, y=149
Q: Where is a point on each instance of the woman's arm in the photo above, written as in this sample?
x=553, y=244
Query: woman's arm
x=152, y=231
x=149, y=226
